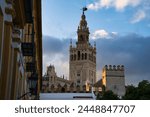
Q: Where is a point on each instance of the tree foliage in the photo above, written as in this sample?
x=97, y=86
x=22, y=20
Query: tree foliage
x=107, y=95
x=142, y=92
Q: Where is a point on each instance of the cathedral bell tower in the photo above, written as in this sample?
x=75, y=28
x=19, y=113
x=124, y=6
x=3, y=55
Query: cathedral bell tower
x=83, y=32
x=82, y=63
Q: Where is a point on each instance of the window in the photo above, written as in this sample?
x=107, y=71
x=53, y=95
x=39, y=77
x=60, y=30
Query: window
x=78, y=55
x=74, y=56
x=85, y=56
x=71, y=57
x=81, y=37
x=82, y=56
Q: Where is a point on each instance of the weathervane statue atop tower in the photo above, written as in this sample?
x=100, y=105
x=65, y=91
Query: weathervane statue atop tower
x=84, y=9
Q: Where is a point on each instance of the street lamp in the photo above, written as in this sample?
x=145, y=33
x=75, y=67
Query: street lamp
x=33, y=83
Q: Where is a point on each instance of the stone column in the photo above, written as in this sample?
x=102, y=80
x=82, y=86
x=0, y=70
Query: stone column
x=8, y=13
x=1, y=41
x=6, y=58
x=16, y=37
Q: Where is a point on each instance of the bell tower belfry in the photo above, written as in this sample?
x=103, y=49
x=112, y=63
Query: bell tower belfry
x=82, y=63
x=83, y=31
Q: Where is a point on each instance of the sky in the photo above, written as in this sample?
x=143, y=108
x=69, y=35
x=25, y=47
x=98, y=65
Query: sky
x=120, y=28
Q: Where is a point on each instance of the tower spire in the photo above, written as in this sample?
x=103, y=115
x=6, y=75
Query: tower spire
x=95, y=44
x=71, y=42
x=83, y=30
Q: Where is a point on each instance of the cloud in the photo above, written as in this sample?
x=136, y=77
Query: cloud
x=119, y=5
x=139, y=16
x=131, y=50
x=55, y=52
x=101, y=33
x=142, y=12
x=142, y=7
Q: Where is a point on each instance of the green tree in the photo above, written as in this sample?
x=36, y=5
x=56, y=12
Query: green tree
x=131, y=93
x=142, y=92
x=107, y=95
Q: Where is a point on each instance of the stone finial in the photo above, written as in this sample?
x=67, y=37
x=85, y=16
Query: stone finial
x=122, y=67
x=94, y=44
x=118, y=67
x=71, y=42
x=106, y=67
x=114, y=67
x=110, y=67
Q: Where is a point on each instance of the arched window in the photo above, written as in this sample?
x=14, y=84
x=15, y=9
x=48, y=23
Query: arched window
x=71, y=57
x=78, y=55
x=85, y=56
x=82, y=56
x=81, y=37
x=74, y=56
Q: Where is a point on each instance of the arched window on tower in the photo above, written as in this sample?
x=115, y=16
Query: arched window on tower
x=81, y=37
x=87, y=38
x=71, y=57
x=82, y=56
x=78, y=55
x=85, y=56
x=74, y=56
x=51, y=78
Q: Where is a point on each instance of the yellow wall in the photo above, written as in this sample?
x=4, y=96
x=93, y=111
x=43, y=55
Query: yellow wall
x=13, y=81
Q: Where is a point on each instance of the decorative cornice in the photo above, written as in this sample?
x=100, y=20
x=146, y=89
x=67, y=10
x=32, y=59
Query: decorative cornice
x=10, y=11
x=9, y=23
x=16, y=34
x=9, y=1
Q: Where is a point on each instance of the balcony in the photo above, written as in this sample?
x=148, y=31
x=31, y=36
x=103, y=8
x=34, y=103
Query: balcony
x=30, y=67
x=28, y=11
x=27, y=49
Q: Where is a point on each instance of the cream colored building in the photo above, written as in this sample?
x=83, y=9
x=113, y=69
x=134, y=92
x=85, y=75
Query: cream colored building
x=20, y=49
x=113, y=78
x=82, y=63
x=53, y=83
